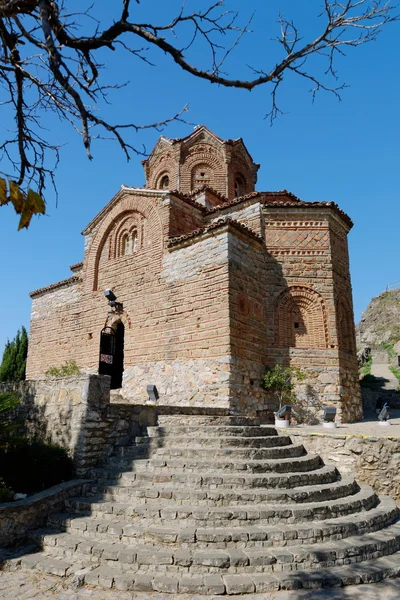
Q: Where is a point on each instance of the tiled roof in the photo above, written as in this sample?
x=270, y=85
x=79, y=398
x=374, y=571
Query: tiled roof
x=76, y=266
x=188, y=199
x=215, y=225
x=54, y=286
x=264, y=196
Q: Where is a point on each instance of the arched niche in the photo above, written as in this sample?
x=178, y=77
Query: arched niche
x=300, y=319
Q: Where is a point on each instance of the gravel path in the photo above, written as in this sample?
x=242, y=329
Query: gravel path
x=388, y=381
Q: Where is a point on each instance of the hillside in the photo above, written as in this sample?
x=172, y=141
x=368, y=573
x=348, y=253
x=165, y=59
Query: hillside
x=380, y=322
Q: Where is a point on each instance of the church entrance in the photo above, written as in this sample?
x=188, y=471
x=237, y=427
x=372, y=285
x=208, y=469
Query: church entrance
x=111, y=358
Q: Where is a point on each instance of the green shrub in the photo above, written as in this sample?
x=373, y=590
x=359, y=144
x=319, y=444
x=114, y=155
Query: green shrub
x=281, y=382
x=6, y=493
x=7, y=402
x=31, y=467
x=391, y=352
x=366, y=368
x=68, y=369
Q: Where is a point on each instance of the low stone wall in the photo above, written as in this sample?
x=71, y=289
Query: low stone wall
x=372, y=460
x=17, y=518
x=70, y=412
x=76, y=414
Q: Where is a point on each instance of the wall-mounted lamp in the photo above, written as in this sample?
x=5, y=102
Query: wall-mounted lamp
x=111, y=297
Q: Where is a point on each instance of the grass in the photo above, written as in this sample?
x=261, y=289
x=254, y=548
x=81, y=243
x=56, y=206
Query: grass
x=391, y=352
x=366, y=368
x=396, y=373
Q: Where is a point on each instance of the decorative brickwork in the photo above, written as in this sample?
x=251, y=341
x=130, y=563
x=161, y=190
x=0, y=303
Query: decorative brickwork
x=300, y=320
x=217, y=282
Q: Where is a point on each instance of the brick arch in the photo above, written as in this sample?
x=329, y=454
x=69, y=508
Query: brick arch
x=345, y=325
x=166, y=165
x=209, y=159
x=151, y=241
x=127, y=224
x=300, y=319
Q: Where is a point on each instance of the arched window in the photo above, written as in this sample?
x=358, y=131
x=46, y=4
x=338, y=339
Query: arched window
x=129, y=243
x=240, y=186
x=134, y=238
x=164, y=183
x=300, y=320
x=126, y=245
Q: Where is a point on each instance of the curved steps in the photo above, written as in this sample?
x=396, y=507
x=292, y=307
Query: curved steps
x=220, y=505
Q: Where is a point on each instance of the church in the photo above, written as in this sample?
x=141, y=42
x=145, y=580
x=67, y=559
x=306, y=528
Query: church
x=196, y=283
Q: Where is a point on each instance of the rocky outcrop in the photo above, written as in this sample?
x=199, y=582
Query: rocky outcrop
x=380, y=322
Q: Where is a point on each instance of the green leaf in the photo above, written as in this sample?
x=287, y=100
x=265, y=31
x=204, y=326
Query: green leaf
x=4, y=199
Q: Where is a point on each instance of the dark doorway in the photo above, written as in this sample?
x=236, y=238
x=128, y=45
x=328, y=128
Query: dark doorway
x=111, y=358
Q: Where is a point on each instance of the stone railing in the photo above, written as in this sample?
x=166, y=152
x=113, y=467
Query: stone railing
x=17, y=518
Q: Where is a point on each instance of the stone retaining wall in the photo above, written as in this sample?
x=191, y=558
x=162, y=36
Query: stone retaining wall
x=372, y=460
x=16, y=518
x=70, y=412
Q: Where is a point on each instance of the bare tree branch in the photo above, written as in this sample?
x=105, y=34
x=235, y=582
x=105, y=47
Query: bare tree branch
x=48, y=61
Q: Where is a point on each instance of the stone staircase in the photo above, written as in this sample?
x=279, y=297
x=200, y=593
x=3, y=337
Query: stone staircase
x=220, y=505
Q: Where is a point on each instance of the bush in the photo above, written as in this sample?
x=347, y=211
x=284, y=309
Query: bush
x=6, y=493
x=31, y=467
x=8, y=401
x=281, y=382
x=68, y=369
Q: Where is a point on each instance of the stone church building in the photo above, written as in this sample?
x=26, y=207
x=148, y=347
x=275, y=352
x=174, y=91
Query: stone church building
x=217, y=281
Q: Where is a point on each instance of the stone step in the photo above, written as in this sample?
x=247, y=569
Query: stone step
x=199, y=465
x=196, y=451
x=217, y=479
x=247, y=534
x=270, y=513
x=220, y=497
x=145, y=580
x=269, y=441
x=353, y=549
x=211, y=431
x=206, y=420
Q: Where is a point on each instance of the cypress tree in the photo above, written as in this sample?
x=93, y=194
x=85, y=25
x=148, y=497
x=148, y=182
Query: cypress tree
x=13, y=365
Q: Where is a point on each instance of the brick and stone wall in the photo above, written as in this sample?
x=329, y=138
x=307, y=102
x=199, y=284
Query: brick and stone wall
x=214, y=288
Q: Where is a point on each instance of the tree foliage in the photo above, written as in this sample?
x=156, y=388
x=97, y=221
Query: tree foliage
x=281, y=381
x=7, y=402
x=50, y=61
x=13, y=365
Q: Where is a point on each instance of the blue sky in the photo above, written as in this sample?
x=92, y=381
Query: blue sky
x=347, y=152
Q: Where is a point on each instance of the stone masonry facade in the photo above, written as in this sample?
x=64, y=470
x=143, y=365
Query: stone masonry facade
x=217, y=280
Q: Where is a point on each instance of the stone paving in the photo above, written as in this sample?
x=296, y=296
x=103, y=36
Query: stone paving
x=28, y=585
x=369, y=426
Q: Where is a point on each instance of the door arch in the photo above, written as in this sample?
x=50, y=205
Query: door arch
x=111, y=355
